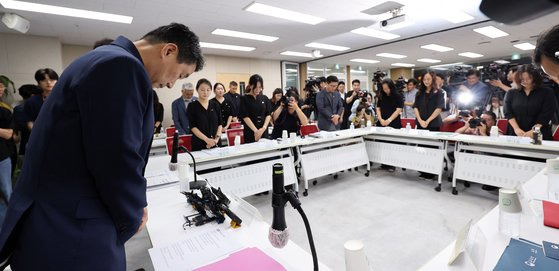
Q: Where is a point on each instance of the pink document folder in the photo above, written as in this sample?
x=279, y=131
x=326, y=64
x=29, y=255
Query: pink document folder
x=248, y=259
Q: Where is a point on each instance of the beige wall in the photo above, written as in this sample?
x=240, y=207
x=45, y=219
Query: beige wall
x=22, y=55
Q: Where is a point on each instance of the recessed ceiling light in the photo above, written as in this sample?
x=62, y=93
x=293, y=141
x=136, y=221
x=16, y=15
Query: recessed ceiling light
x=470, y=55
x=502, y=61
x=374, y=33
x=64, y=11
x=454, y=16
x=363, y=60
x=357, y=71
x=226, y=47
x=407, y=65
x=283, y=13
x=326, y=46
x=525, y=46
x=428, y=60
x=436, y=47
x=491, y=31
x=299, y=54
x=243, y=35
x=389, y=55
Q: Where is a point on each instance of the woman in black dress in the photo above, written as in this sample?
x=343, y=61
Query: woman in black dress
x=429, y=104
x=390, y=105
x=255, y=110
x=205, y=118
x=224, y=104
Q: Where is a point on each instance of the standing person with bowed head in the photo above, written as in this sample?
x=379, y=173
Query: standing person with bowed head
x=255, y=110
x=428, y=104
x=225, y=105
x=82, y=193
x=205, y=118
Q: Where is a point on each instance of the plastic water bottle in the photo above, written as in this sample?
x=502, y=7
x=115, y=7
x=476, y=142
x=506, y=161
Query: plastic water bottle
x=183, y=177
x=552, y=171
x=408, y=127
x=510, y=212
x=351, y=126
x=537, y=136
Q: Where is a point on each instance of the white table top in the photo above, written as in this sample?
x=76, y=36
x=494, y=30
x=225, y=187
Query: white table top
x=166, y=207
x=532, y=229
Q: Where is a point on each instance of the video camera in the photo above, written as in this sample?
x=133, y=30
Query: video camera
x=494, y=72
x=378, y=76
x=400, y=83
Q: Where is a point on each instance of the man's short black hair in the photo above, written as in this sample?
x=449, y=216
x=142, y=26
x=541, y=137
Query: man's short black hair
x=25, y=91
x=41, y=74
x=547, y=45
x=233, y=83
x=331, y=79
x=341, y=83
x=180, y=35
x=356, y=81
x=413, y=81
x=321, y=79
x=105, y=41
x=473, y=72
x=491, y=114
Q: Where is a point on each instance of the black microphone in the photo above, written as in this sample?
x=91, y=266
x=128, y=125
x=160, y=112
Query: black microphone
x=278, y=234
x=174, y=152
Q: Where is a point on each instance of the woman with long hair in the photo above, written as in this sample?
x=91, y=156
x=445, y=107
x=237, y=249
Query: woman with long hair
x=255, y=110
x=225, y=105
x=428, y=104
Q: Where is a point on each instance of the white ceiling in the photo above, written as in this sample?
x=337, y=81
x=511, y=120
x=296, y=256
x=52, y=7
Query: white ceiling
x=203, y=16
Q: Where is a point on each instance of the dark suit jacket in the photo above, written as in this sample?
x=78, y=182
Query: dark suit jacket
x=328, y=106
x=180, y=119
x=81, y=193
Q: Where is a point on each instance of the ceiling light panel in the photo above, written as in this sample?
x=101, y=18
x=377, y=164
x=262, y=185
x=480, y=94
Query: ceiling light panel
x=243, y=35
x=374, y=33
x=226, y=47
x=283, y=13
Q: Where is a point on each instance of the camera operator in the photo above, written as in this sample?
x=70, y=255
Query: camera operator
x=364, y=114
x=531, y=105
x=329, y=106
x=510, y=78
x=366, y=98
x=389, y=105
x=353, y=95
x=479, y=126
x=479, y=90
x=288, y=115
x=309, y=105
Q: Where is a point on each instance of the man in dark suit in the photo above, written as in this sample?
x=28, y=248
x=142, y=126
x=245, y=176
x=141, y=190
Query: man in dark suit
x=81, y=194
x=329, y=106
x=180, y=119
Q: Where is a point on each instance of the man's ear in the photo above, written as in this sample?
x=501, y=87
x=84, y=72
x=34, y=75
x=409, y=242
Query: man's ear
x=169, y=49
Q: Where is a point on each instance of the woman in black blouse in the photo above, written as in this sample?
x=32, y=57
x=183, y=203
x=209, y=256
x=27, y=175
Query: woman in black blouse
x=390, y=105
x=224, y=104
x=429, y=103
x=530, y=105
x=205, y=118
x=158, y=113
x=255, y=110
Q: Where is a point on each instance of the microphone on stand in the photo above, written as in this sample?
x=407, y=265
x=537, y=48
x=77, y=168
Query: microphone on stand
x=174, y=152
x=194, y=184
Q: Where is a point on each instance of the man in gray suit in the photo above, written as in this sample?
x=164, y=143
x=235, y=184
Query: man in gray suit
x=179, y=109
x=329, y=106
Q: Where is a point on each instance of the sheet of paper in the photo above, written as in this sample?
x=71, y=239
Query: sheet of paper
x=160, y=177
x=194, y=251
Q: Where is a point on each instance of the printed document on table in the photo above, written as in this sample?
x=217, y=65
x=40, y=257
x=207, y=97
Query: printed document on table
x=196, y=250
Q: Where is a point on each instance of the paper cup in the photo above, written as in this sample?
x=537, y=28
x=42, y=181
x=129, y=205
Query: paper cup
x=293, y=137
x=355, y=259
x=509, y=201
x=284, y=134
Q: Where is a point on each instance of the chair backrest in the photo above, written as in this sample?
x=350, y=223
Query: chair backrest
x=308, y=129
x=502, y=124
x=232, y=133
x=170, y=131
x=235, y=125
x=556, y=134
x=406, y=121
x=452, y=126
x=184, y=140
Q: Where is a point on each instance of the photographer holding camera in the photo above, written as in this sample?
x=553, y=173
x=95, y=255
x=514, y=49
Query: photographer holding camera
x=479, y=126
x=309, y=105
x=288, y=115
x=350, y=98
x=366, y=99
x=510, y=77
x=364, y=114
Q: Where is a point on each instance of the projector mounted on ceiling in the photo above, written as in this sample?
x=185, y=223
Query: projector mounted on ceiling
x=15, y=22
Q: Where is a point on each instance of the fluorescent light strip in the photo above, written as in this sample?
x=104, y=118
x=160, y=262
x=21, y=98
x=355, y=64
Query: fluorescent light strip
x=491, y=31
x=407, y=65
x=357, y=71
x=363, y=60
x=326, y=46
x=389, y=55
x=525, y=46
x=502, y=61
x=299, y=54
x=470, y=55
x=317, y=69
x=429, y=60
x=436, y=47
x=374, y=33
x=64, y=11
x=226, y=47
x=454, y=15
x=283, y=14
x=243, y=35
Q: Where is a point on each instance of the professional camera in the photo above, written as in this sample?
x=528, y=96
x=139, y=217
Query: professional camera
x=285, y=99
x=494, y=72
x=476, y=122
x=400, y=83
x=378, y=76
x=457, y=76
x=464, y=113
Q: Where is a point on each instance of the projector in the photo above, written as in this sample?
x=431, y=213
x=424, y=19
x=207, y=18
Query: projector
x=15, y=22
x=392, y=21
